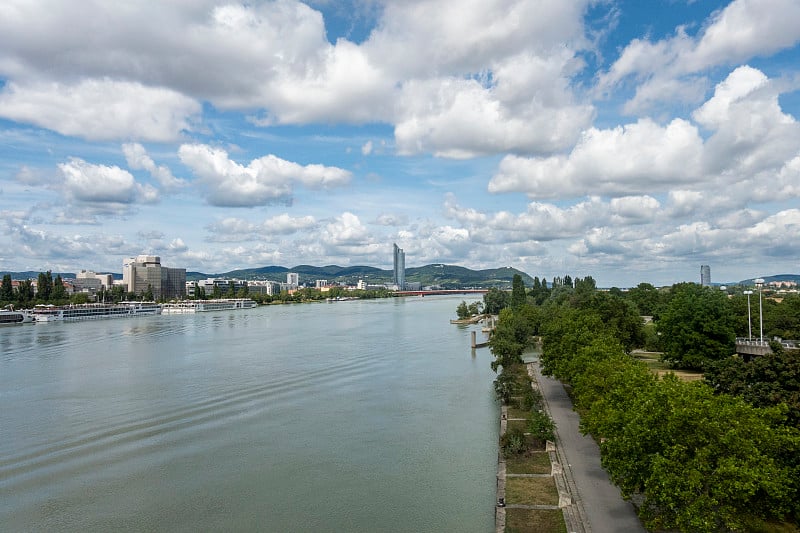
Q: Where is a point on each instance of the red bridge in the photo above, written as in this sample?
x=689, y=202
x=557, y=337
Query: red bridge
x=440, y=292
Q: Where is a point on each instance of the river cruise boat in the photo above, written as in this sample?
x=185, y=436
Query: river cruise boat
x=8, y=316
x=203, y=306
x=52, y=313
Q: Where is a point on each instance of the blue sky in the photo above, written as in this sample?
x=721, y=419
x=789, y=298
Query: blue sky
x=631, y=141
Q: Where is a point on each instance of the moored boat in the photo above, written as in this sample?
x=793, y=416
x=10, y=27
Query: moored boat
x=203, y=306
x=8, y=316
x=51, y=313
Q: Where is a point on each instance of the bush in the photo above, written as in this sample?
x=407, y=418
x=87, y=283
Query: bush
x=541, y=426
x=513, y=442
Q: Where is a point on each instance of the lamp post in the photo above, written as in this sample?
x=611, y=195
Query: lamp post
x=759, y=284
x=749, y=322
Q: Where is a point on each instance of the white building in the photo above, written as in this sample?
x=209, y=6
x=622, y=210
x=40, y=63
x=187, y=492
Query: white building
x=293, y=279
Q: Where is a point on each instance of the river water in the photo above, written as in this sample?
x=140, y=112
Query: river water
x=347, y=416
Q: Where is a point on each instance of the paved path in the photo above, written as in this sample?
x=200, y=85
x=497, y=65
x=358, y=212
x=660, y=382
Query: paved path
x=604, y=510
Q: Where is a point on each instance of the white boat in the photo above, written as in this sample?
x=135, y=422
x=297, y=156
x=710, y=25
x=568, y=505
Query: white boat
x=8, y=316
x=203, y=306
x=51, y=313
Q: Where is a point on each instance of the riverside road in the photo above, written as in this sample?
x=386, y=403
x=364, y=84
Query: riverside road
x=604, y=510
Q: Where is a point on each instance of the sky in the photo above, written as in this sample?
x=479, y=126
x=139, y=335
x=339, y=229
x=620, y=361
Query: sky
x=631, y=141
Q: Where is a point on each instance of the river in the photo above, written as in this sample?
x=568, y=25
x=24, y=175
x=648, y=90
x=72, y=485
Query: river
x=347, y=416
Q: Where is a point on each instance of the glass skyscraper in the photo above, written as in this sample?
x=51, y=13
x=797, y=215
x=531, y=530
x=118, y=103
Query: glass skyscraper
x=399, y=267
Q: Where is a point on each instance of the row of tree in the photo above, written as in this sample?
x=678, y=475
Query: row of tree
x=48, y=290
x=715, y=455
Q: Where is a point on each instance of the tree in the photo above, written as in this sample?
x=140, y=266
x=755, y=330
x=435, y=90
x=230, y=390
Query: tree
x=696, y=326
x=44, y=286
x=59, y=292
x=495, y=301
x=25, y=292
x=462, y=311
x=7, y=289
x=646, y=298
x=148, y=294
x=518, y=295
x=765, y=381
x=704, y=463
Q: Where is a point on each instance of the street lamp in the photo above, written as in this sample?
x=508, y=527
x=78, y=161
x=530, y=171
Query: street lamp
x=759, y=284
x=749, y=322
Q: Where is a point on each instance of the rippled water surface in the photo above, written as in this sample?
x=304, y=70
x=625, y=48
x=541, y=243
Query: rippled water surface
x=347, y=416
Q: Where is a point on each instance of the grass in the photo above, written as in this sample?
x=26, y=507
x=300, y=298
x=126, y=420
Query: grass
x=529, y=521
x=522, y=425
x=531, y=491
x=660, y=368
x=516, y=412
x=532, y=463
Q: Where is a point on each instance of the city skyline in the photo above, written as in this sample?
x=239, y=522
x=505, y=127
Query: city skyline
x=625, y=141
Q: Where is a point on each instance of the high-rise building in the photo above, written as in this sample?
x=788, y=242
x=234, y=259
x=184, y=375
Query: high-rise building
x=705, y=275
x=145, y=272
x=399, y=267
x=293, y=279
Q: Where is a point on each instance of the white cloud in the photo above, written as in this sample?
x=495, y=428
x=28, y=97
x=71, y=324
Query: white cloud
x=637, y=158
x=137, y=158
x=667, y=70
x=100, y=109
x=366, y=148
x=86, y=182
x=273, y=60
x=263, y=181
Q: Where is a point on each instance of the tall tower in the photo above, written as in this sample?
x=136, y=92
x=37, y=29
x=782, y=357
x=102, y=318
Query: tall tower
x=705, y=275
x=399, y=267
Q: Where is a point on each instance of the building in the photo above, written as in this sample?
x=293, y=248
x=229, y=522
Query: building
x=399, y=267
x=145, y=272
x=293, y=279
x=705, y=275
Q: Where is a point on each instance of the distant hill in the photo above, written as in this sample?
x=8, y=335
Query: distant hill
x=441, y=275
x=769, y=279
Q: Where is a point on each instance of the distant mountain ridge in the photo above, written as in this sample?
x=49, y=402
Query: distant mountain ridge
x=447, y=276
x=769, y=279
x=438, y=274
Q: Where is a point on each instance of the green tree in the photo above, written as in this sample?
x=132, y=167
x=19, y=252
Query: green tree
x=216, y=292
x=518, y=295
x=7, y=289
x=765, y=381
x=495, y=301
x=148, y=294
x=44, y=286
x=59, y=292
x=462, y=311
x=696, y=326
x=25, y=292
x=646, y=298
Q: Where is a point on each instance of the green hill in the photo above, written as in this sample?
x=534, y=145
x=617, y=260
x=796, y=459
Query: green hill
x=445, y=276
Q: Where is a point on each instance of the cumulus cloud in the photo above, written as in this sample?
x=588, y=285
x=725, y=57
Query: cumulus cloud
x=263, y=181
x=90, y=183
x=100, y=109
x=746, y=147
x=632, y=159
x=672, y=67
x=137, y=158
x=233, y=229
x=490, y=66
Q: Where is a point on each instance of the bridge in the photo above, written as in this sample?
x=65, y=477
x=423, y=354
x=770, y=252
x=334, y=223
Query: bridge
x=441, y=292
x=750, y=347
